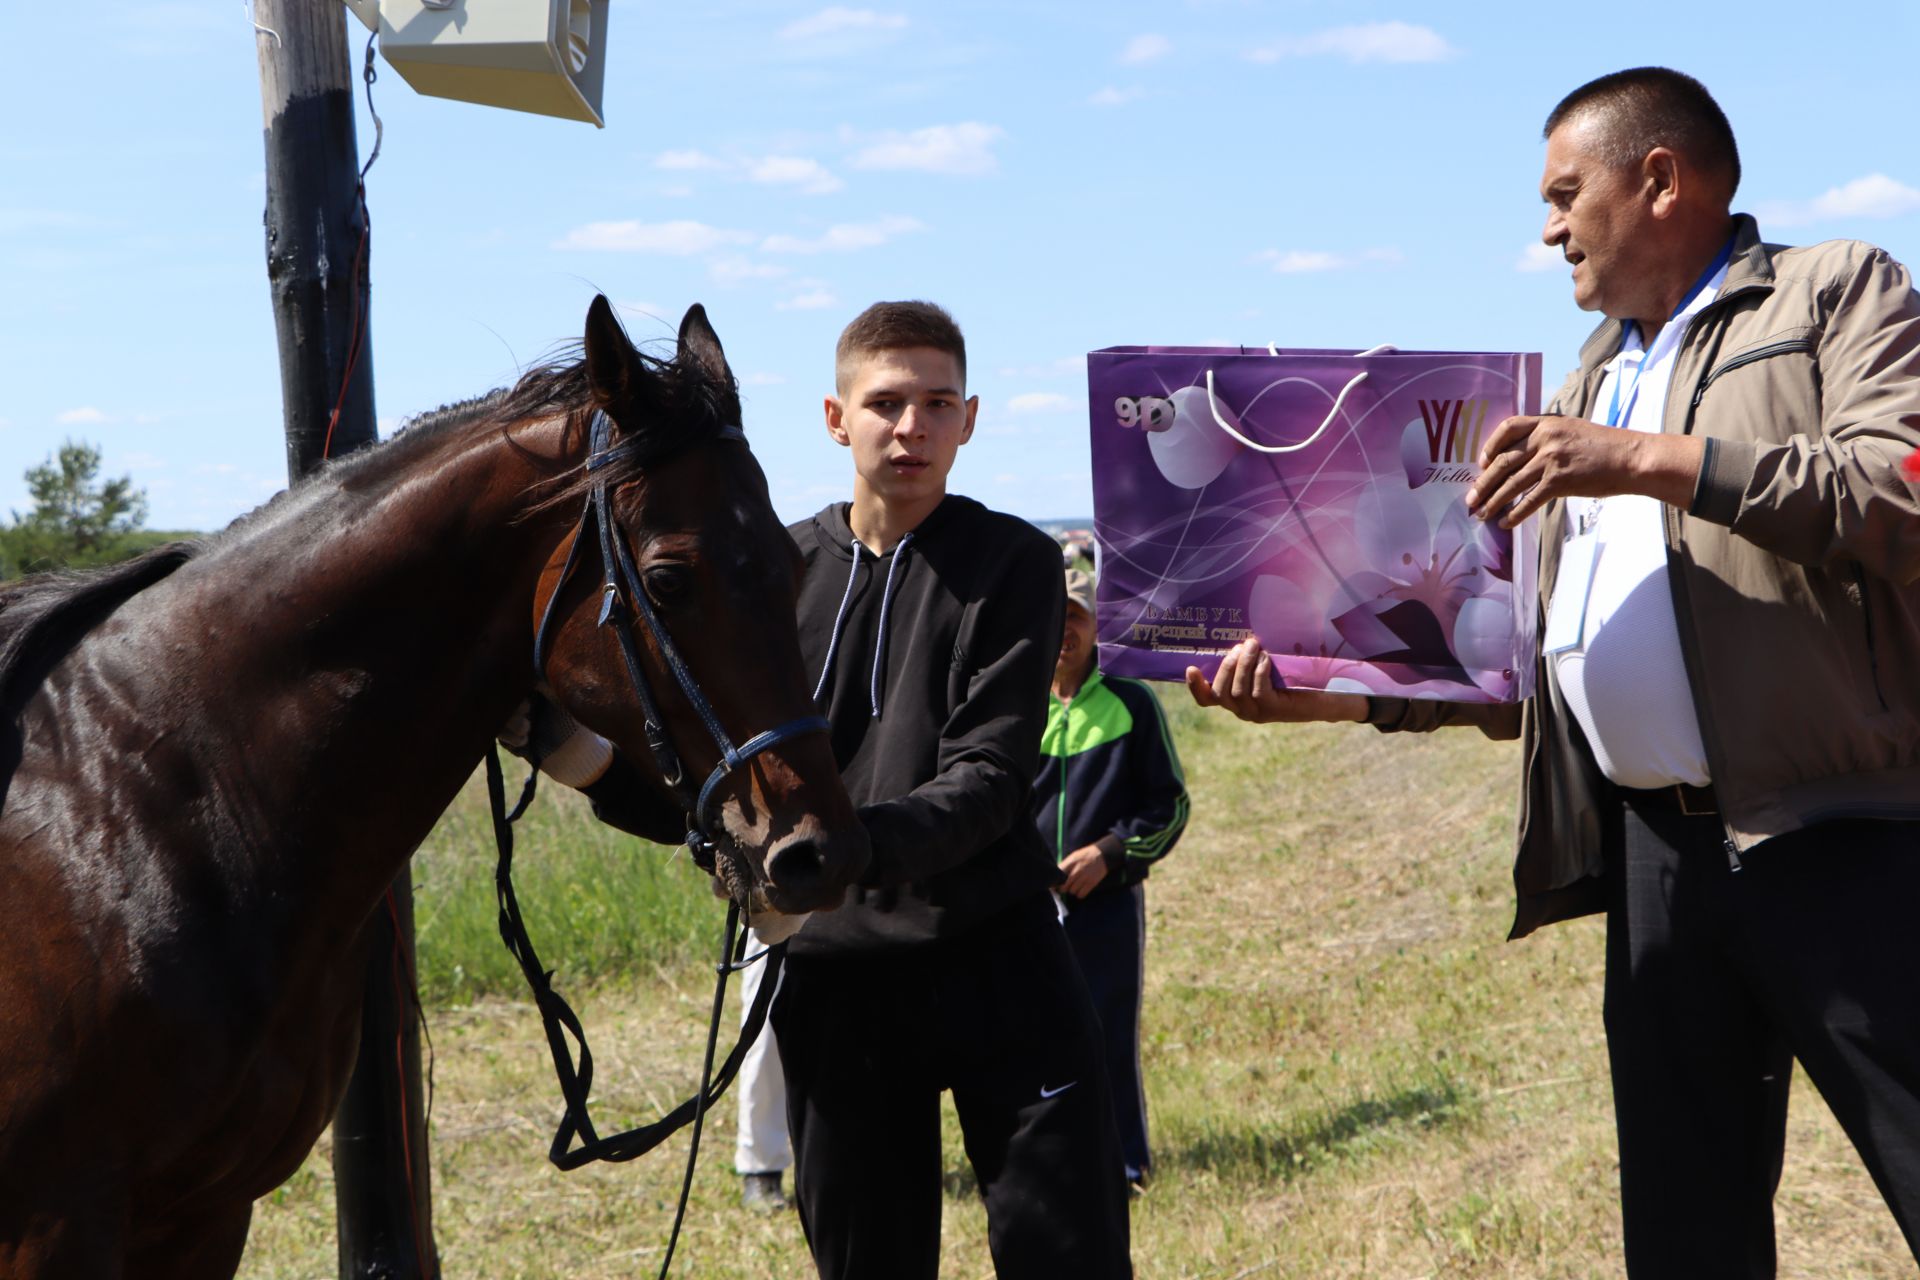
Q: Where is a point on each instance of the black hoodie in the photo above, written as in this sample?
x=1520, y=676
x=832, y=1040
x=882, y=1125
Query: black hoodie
x=933, y=662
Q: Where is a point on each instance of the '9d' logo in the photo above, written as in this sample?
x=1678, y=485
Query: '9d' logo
x=1149, y=413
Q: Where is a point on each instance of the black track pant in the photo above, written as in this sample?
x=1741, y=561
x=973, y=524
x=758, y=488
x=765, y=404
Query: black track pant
x=1716, y=981
x=1108, y=933
x=999, y=1016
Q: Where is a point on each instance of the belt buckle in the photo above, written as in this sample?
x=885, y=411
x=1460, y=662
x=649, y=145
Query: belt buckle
x=1680, y=790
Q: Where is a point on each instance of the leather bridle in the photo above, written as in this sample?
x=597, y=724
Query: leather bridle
x=622, y=595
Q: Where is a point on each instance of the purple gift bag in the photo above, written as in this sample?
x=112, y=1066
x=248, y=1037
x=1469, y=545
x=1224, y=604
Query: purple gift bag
x=1316, y=500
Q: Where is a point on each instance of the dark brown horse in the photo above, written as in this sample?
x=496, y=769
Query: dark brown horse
x=214, y=759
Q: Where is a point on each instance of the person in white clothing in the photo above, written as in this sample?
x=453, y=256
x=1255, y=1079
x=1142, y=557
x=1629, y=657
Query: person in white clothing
x=762, y=1151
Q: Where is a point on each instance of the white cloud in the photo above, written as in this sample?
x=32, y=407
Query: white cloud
x=738, y=270
x=681, y=238
x=1039, y=402
x=1112, y=97
x=1008, y=477
x=687, y=161
x=1539, y=257
x=84, y=416
x=141, y=462
x=1289, y=262
x=1874, y=196
x=1065, y=366
x=765, y=380
x=813, y=300
x=845, y=237
x=803, y=172
x=17, y=221
x=1144, y=49
x=838, y=20
x=1368, y=42
x=965, y=149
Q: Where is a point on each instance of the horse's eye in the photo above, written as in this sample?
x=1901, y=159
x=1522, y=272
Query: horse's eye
x=667, y=584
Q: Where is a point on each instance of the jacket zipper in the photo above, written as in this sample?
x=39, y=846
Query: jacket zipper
x=1873, y=653
x=1748, y=357
x=1676, y=575
x=1066, y=737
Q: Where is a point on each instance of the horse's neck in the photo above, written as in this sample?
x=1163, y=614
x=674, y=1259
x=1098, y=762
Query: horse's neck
x=363, y=646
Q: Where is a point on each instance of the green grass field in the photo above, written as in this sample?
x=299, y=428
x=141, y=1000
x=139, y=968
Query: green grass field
x=1350, y=1072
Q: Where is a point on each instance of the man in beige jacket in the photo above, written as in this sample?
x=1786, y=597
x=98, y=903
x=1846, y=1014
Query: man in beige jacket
x=1723, y=750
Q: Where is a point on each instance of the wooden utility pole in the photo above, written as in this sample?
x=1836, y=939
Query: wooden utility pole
x=316, y=264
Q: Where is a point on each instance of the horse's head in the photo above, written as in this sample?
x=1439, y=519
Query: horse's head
x=719, y=573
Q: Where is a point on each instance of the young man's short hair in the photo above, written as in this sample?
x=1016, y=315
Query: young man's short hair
x=895, y=326
x=1648, y=107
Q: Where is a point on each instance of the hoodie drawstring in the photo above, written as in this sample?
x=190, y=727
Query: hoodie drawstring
x=833, y=637
x=880, y=641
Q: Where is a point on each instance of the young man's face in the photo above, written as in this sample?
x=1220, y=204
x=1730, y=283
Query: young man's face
x=1076, y=645
x=905, y=414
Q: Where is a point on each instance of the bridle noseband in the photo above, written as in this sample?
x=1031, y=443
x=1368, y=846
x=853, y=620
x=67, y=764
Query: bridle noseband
x=624, y=600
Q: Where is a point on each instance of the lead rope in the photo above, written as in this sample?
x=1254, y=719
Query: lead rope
x=560, y=1024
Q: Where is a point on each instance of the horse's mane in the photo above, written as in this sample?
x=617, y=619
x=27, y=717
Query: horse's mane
x=682, y=405
x=43, y=616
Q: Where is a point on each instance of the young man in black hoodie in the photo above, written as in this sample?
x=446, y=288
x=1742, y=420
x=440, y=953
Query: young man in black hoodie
x=934, y=624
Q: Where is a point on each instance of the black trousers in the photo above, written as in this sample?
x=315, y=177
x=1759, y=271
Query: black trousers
x=1001, y=1017
x=1108, y=932
x=1717, y=980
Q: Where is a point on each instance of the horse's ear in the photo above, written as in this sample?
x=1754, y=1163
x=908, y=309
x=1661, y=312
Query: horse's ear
x=700, y=344
x=614, y=368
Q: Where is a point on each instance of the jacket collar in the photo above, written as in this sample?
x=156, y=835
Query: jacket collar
x=1751, y=266
x=1092, y=682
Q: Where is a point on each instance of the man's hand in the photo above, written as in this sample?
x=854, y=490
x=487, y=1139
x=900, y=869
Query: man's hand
x=1244, y=685
x=1528, y=461
x=1085, y=870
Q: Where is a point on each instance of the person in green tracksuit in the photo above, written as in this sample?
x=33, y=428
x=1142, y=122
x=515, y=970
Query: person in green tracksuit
x=1110, y=801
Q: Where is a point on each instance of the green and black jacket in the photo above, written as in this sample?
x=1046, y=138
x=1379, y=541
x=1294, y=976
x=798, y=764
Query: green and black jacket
x=1109, y=776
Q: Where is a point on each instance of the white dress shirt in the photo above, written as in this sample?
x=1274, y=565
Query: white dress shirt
x=1626, y=682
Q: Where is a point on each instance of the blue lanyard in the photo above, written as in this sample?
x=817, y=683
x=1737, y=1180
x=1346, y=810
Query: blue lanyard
x=1620, y=408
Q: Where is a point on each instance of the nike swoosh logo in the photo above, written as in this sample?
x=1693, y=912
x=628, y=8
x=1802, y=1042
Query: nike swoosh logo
x=1052, y=1093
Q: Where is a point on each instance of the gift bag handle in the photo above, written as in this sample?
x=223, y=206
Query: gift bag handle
x=1214, y=407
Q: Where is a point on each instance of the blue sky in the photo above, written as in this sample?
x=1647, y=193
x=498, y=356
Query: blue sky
x=1063, y=177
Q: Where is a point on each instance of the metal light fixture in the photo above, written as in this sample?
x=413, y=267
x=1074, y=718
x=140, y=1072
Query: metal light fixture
x=543, y=56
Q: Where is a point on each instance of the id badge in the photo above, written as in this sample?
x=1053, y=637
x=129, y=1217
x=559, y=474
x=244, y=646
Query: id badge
x=1567, y=611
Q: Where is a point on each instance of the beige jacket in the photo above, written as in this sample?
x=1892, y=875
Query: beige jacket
x=1793, y=573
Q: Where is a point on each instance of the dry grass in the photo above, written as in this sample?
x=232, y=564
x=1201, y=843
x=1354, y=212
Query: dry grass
x=1351, y=1074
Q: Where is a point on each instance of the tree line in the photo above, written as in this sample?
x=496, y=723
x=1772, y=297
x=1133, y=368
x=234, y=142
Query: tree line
x=78, y=520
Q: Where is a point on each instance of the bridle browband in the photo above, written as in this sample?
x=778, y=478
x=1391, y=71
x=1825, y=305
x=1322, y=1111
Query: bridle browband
x=625, y=605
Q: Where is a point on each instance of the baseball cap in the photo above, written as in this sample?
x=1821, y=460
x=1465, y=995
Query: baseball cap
x=1080, y=589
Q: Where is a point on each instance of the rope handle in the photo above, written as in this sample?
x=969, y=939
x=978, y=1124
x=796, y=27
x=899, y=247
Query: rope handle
x=1213, y=405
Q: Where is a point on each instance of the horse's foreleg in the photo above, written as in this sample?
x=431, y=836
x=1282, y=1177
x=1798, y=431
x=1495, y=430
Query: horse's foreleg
x=205, y=1246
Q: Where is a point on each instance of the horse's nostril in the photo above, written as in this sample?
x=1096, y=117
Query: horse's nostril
x=798, y=867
